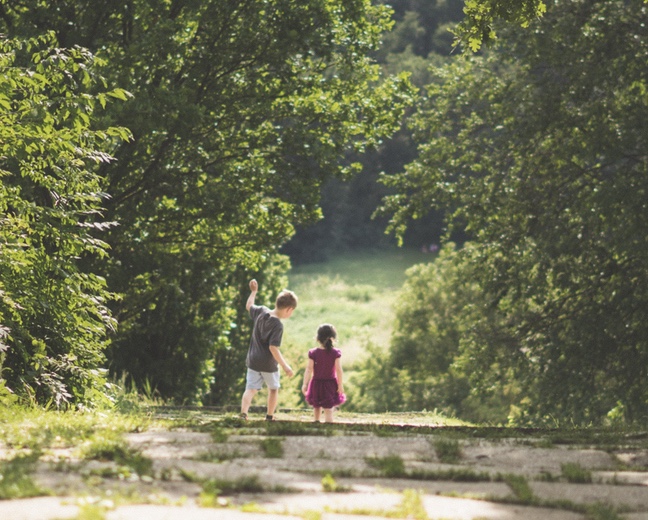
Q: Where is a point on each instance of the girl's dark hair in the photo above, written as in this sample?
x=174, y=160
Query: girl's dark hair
x=326, y=333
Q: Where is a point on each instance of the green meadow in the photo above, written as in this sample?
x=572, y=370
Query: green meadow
x=353, y=291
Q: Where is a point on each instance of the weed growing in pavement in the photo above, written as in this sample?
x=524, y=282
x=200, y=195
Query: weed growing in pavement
x=272, y=447
x=411, y=506
x=218, y=456
x=245, y=484
x=575, y=473
x=546, y=476
x=219, y=435
x=600, y=511
x=447, y=450
x=520, y=488
x=330, y=485
x=391, y=465
x=114, y=448
x=453, y=475
x=311, y=515
x=90, y=512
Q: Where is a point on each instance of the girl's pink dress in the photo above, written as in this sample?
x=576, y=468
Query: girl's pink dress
x=322, y=389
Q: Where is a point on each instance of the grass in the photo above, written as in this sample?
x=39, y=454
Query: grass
x=112, y=447
x=520, y=488
x=330, y=485
x=575, y=473
x=16, y=480
x=353, y=291
x=410, y=507
x=27, y=434
x=391, y=466
x=35, y=428
x=447, y=450
x=272, y=447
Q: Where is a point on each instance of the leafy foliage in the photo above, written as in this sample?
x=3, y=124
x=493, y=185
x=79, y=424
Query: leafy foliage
x=240, y=111
x=53, y=313
x=539, y=150
x=423, y=369
x=481, y=15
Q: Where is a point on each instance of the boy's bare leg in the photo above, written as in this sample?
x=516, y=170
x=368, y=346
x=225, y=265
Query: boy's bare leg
x=246, y=400
x=273, y=399
x=328, y=414
x=317, y=413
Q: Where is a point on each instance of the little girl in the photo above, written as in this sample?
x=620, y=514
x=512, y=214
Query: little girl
x=323, y=377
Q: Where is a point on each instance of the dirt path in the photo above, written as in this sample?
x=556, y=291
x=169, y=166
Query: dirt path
x=221, y=468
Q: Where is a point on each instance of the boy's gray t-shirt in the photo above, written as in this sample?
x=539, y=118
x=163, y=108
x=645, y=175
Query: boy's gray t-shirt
x=267, y=330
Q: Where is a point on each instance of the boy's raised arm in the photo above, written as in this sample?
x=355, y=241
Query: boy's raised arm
x=254, y=287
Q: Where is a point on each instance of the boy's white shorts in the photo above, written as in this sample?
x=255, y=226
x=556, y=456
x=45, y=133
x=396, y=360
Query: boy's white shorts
x=254, y=380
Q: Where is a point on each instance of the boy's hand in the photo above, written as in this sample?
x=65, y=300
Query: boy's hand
x=254, y=285
x=289, y=371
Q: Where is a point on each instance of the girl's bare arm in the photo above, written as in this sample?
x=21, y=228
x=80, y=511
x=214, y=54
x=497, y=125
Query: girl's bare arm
x=308, y=375
x=339, y=374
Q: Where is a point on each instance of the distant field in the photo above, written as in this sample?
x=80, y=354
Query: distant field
x=355, y=292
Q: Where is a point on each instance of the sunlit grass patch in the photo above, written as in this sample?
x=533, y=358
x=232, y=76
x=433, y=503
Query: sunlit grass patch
x=360, y=293
x=288, y=428
x=35, y=428
x=411, y=506
x=16, y=477
x=111, y=447
x=330, y=485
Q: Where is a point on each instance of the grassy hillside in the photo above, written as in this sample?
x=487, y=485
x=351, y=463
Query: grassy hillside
x=355, y=292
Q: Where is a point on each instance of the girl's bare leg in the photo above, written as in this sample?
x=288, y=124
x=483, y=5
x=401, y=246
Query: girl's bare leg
x=317, y=412
x=328, y=414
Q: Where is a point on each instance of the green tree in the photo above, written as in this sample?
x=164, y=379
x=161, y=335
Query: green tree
x=482, y=16
x=424, y=367
x=240, y=111
x=53, y=314
x=539, y=150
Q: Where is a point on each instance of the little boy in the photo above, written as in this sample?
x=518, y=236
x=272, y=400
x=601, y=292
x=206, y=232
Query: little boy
x=264, y=356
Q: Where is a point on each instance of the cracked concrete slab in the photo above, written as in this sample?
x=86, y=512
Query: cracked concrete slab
x=292, y=482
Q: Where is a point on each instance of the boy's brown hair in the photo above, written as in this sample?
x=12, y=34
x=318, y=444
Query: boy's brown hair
x=286, y=300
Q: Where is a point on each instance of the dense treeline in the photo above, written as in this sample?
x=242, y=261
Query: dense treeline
x=539, y=150
x=421, y=38
x=54, y=317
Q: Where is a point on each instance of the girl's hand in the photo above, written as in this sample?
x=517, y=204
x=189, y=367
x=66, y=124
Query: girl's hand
x=340, y=389
x=304, y=389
